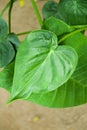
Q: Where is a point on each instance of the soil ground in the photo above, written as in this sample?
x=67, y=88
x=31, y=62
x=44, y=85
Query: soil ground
x=22, y=115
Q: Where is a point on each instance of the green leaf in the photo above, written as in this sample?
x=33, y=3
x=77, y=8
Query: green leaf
x=7, y=52
x=57, y=26
x=74, y=91
x=80, y=45
x=13, y=39
x=49, y=9
x=3, y=28
x=6, y=77
x=73, y=12
x=68, y=95
x=41, y=65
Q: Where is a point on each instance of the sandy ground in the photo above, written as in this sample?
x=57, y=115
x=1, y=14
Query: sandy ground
x=22, y=115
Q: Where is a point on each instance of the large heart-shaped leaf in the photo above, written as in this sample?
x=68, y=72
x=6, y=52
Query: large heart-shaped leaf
x=74, y=91
x=57, y=26
x=7, y=52
x=41, y=65
x=6, y=77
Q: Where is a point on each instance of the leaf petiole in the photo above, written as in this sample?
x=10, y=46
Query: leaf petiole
x=71, y=34
x=9, y=14
x=36, y=12
x=23, y=33
x=5, y=8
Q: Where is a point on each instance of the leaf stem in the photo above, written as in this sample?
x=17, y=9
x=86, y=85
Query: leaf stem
x=71, y=34
x=23, y=33
x=36, y=12
x=9, y=14
x=5, y=8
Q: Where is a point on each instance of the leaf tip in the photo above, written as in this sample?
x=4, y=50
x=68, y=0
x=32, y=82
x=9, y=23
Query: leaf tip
x=10, y=100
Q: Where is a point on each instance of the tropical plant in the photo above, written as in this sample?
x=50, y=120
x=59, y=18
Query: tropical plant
x=49, y=67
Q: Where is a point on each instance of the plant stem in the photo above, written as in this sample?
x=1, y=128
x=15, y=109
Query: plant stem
x=36, y=12
x=4, y=9
x=23, y=33
x=71, y=34
x=9, y=14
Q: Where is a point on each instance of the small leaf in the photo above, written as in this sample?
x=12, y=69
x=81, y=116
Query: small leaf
x=3, y=28
x=7, y=52
x=6, y=77
x=49, y=9
x=13, y=39
x=57, y=26
x=41, y=65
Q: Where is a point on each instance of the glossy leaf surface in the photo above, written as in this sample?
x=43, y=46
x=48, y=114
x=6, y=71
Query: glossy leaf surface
x=74, y=91
x=41, y=65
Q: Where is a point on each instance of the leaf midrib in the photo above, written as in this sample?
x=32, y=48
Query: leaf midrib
x=32, y=76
